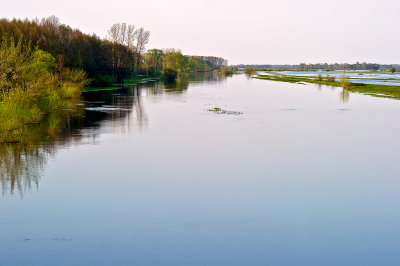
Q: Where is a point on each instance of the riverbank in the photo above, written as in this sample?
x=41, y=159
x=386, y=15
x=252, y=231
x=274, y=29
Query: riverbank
x=387, y=91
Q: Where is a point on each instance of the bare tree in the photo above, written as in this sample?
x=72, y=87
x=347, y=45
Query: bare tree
x=122, y=36
x=142, y=38
x=126, y=38
x=51, y=22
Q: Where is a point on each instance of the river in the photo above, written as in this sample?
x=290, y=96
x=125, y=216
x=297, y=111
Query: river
x=284, y=174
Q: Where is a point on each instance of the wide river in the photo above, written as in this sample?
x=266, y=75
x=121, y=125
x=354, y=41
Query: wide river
x=294, y=175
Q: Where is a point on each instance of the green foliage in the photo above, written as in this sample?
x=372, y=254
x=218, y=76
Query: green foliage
x=70, y=47
x=100, y=80
x=29, y=87
x=174, y=60
x=42, y=61
x=319, y=77
x=225, y=70
x=72, y=82
x=13, y=63
x=345, y=82
x=198, y=64
x=330, y=78
x=154, y=58
x=121, y=56
x=170, y=74
x=151, y=71
x=249, y=71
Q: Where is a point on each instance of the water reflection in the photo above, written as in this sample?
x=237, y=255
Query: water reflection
x=22, y=164
x=21, y=167
x=183, y=82
x=344, y=95
x=201, y=187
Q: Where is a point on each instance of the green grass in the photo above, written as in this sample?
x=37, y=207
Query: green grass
x=387, y=91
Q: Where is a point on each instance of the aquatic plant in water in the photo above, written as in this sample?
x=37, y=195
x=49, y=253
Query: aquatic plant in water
x=218, y=110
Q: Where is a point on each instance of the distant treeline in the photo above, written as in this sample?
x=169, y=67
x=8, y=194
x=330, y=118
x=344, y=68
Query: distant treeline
x=120, y=55
x=156, y=60
x=325, y=66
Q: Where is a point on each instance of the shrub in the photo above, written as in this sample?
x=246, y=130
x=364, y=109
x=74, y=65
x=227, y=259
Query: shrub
x=249, y=71
x=170, y=74
x=225, y=70
x=345, y=81
x=29, y=87
x=72, y=82
x=330, y=78
x=102, y=80
x=151, y=70
x=319, y=77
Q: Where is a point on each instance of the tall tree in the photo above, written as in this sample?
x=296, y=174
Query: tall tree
x=122, y=37
x=154, y=58
x=142, y=38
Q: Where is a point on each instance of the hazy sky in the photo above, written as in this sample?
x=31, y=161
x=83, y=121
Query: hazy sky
x=249, y=31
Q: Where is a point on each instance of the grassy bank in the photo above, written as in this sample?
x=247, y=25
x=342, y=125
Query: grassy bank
x=387, y=91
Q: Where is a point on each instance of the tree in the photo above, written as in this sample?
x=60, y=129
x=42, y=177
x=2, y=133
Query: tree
x=70, y=47
x=154, y=57
x=173, y=59
x=142, y=38
x=121, y=54
x=122, y=37
x=198, y=64
x=345, y=81
x=249, y=71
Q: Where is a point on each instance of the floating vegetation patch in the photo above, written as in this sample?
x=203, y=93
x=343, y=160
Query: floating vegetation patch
x=218, y=110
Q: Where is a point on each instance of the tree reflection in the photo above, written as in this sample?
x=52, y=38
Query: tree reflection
x=179, y=85
x=21, y=167
x=22, y=163
x=344, y=95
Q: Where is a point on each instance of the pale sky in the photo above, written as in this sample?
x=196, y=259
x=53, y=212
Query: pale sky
x=250, y=31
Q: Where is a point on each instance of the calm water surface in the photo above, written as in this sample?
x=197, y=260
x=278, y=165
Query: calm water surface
x=306, y=175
